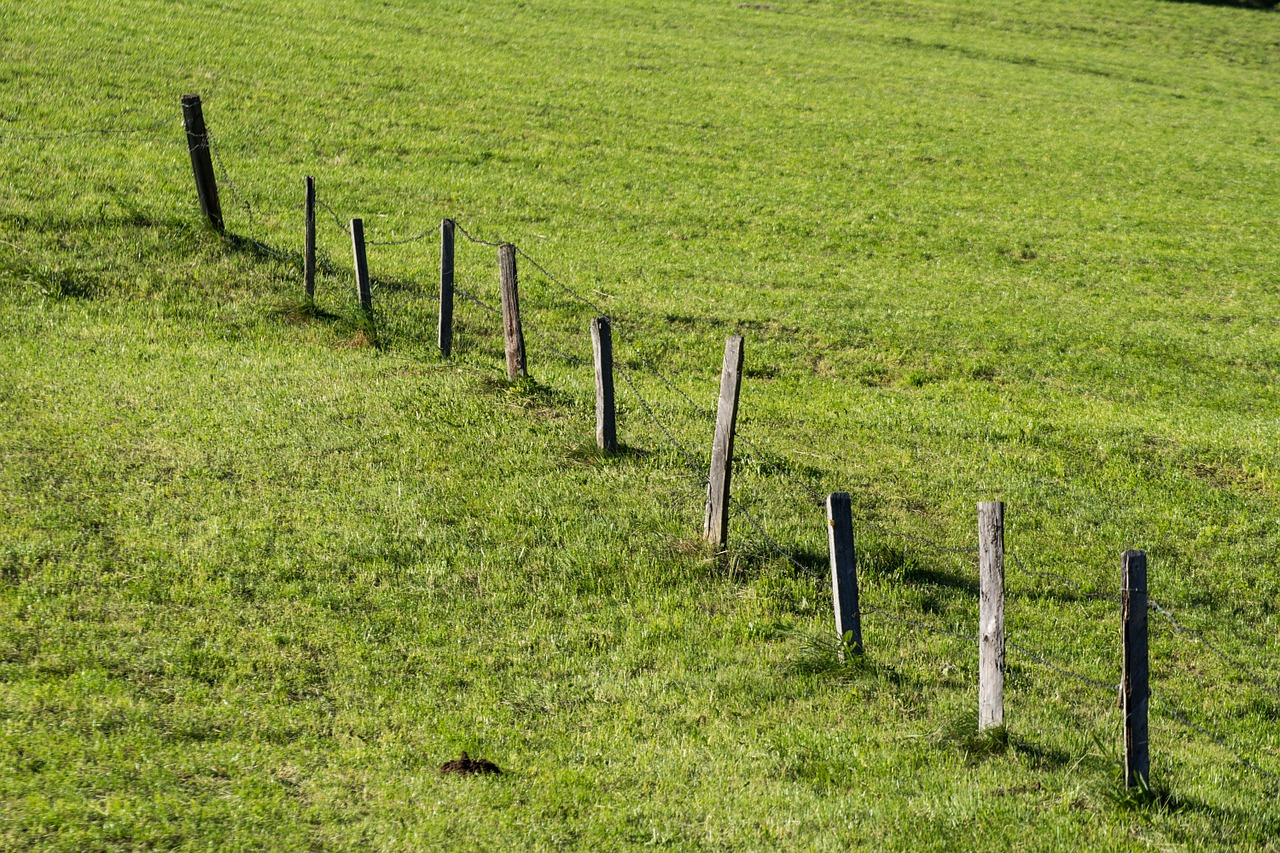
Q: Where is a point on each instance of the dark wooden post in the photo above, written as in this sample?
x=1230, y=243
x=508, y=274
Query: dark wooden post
x=844, y=570
x=606, y=422
x=1134, y=688
x=201, y=161
x=363, y=291
x=445, y=331
x=309, y=240
x=512, y=331
x=991, y=615
x=715, y=528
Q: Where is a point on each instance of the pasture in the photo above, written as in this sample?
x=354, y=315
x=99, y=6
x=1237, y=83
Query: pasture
x=265, y=565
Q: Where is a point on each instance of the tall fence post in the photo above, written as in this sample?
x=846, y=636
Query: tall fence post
x=309, y=240
x=363, y=291
x=844, y=571
x=991, y=615
x=445, y=331
x=201, y=161
x=715, y=528
x=1134, y=688
x=606, y=419
x=512, y=331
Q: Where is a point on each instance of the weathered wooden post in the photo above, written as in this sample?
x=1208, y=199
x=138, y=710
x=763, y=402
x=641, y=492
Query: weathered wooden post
x=363, y=290
x=445, y=331
x=602, y=348
x=991, y=615
x=201, y=161
x=715, y=528
x=309, y=240
x=1134, y=688
x=512, y=331
x=844, y=571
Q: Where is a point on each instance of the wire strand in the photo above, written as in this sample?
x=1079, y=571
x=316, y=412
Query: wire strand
x=113, y=131
x=1241, y=668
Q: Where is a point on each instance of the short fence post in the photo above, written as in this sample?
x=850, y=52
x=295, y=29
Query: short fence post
x=201, y=161
x=991, y=615
x=844, y=571
x=512, y=331
x=606, y=421
x=1134, y=688
x=445, y=332
x=715, y=528
x=363, y=291
x=309, y=240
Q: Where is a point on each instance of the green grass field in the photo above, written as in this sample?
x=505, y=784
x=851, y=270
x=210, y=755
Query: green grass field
x=264, y=568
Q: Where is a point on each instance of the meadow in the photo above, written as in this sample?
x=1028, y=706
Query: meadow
x=265, y=564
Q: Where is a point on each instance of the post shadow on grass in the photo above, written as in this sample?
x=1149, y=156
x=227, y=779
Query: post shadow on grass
x=587, y=453
x=827, y=656
x=878, y=558
x=750, y=559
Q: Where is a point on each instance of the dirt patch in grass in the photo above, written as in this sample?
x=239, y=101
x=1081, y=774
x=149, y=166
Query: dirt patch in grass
x=468, y=766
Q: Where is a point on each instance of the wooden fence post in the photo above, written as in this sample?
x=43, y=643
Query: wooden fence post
x=201, y=161
x=606, y=422
x=309, y=240
x=363, y=291
x=1134, y=688
x=991, y=615
x=512, y=331
x=445, y=332
x=844, y=570
x=715, y=528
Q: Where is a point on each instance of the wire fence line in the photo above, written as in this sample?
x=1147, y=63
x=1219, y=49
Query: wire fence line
x=697, y=468
x=1018, y=649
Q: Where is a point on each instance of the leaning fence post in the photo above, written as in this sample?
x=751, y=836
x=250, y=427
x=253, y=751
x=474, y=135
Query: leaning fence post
x=1134, y=688
x=512, y=331
x=606, y=420
x=201, y=162
x=363, y=291
x=715, y=528
x=991, y=615
x=844, y=571
x=309, y=240
x=445, y=332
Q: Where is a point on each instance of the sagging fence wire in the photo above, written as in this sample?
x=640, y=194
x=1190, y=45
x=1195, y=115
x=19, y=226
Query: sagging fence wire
x=1165, y=704
x=1253, y=677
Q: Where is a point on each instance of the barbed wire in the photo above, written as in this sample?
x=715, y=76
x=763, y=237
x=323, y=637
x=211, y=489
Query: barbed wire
x=337, y=218
x=1241, y=668
x=471, y=298
x=469, y=237
x=693, y=464
x=109, y=131
x=893, y=617
x=1063, y=579
x=1168, y=707
x=429, y=232
x=240, y=198
x=1045, y=662
x=773, y=543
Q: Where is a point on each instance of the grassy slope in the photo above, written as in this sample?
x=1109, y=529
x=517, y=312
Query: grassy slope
x=258, y=583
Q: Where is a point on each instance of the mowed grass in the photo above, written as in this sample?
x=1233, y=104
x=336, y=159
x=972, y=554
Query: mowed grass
x=264, y=568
